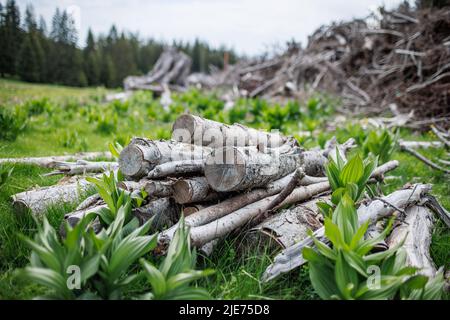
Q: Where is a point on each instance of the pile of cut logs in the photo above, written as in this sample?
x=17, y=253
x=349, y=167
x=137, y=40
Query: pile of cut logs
x=233, y=180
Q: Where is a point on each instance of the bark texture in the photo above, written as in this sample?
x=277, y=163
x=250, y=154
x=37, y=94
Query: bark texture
x=193, y=190
x=165, y=212
x=142, y=155
x=177, y=168
x=49, y=162
x=40, y=200
x=221, y=227
x=203, y=132
x=234, y=169
x=416, y=232
x=286, y=227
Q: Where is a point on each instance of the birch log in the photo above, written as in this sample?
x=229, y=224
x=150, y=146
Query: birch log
x=49, y=162
x=193, y=208
x=292, y=257
x=221, y=227
x=193, y=190
x=287, y=227
x=416, y=231
x=234, y=169
x=203, y=132
x=82, y=167
x=165, y=212
x=40, y=200
x=142, y=155
x=74, y=217
x=177, y=168
x=154, y=188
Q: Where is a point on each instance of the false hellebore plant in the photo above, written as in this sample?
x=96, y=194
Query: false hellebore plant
x=347, y=178
x=86, y=265
x=348, y=269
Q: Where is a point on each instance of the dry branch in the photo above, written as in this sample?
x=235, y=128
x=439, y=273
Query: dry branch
x=416, y=231
x=292, y=258
x=82, y=167
x=287, y=227
x=49, y=162
x=425, y=160
x=177, y=168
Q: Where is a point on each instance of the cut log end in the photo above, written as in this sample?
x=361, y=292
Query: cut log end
x=184, y=122
x=182, y=191
x=225, y=169
x=131, y=161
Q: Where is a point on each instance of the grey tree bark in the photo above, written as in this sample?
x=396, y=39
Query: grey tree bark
x=40, y=200
x=234, y=169
x=292, y=257
x=203, y=132
x=49, y=162
x=416, y=231
x=193, y=190
x=286, y=227
x=142, y=155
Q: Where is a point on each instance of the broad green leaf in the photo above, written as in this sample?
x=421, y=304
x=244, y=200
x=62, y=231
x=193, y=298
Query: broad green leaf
x=352, y=171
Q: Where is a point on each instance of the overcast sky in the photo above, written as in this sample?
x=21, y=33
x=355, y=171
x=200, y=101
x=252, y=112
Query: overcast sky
x=248, y=26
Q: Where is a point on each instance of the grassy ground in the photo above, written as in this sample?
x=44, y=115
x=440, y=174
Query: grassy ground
x=67, y=120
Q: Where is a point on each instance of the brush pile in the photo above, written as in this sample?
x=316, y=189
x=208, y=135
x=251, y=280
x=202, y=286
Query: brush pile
x=399, y=57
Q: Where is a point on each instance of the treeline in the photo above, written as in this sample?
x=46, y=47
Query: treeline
x=34, y=53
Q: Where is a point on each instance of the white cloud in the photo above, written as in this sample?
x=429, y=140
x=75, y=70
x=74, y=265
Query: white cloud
x=246, y=25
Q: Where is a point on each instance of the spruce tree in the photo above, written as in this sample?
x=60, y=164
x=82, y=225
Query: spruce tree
x=12, y=38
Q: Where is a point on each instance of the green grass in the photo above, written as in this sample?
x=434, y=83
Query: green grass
x=78, y=120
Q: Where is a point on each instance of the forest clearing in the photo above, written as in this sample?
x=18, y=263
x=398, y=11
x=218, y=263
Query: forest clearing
x=294, y=177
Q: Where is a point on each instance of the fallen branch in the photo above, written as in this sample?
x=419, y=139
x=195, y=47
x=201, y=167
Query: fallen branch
x=416, y=232
x=176, y=168
x=82, y=167
x=287, y=227
x=49, y=162
x=39, y=201
x=292, y=257
x=425, y=160
x=440, y=136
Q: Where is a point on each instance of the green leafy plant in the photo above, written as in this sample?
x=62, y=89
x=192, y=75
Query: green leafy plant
x=5, y=173
x=114, y=197
x=344, y=270
x=380, y=143
x=104, y=260
x=107, y=123
x=350, y=177
x=12, y=122
x=71, y=139
x=173, y=277
x=50, y=259
x=37, y=107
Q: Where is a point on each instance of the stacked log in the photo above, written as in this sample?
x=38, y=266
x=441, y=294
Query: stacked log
x=267, y=192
